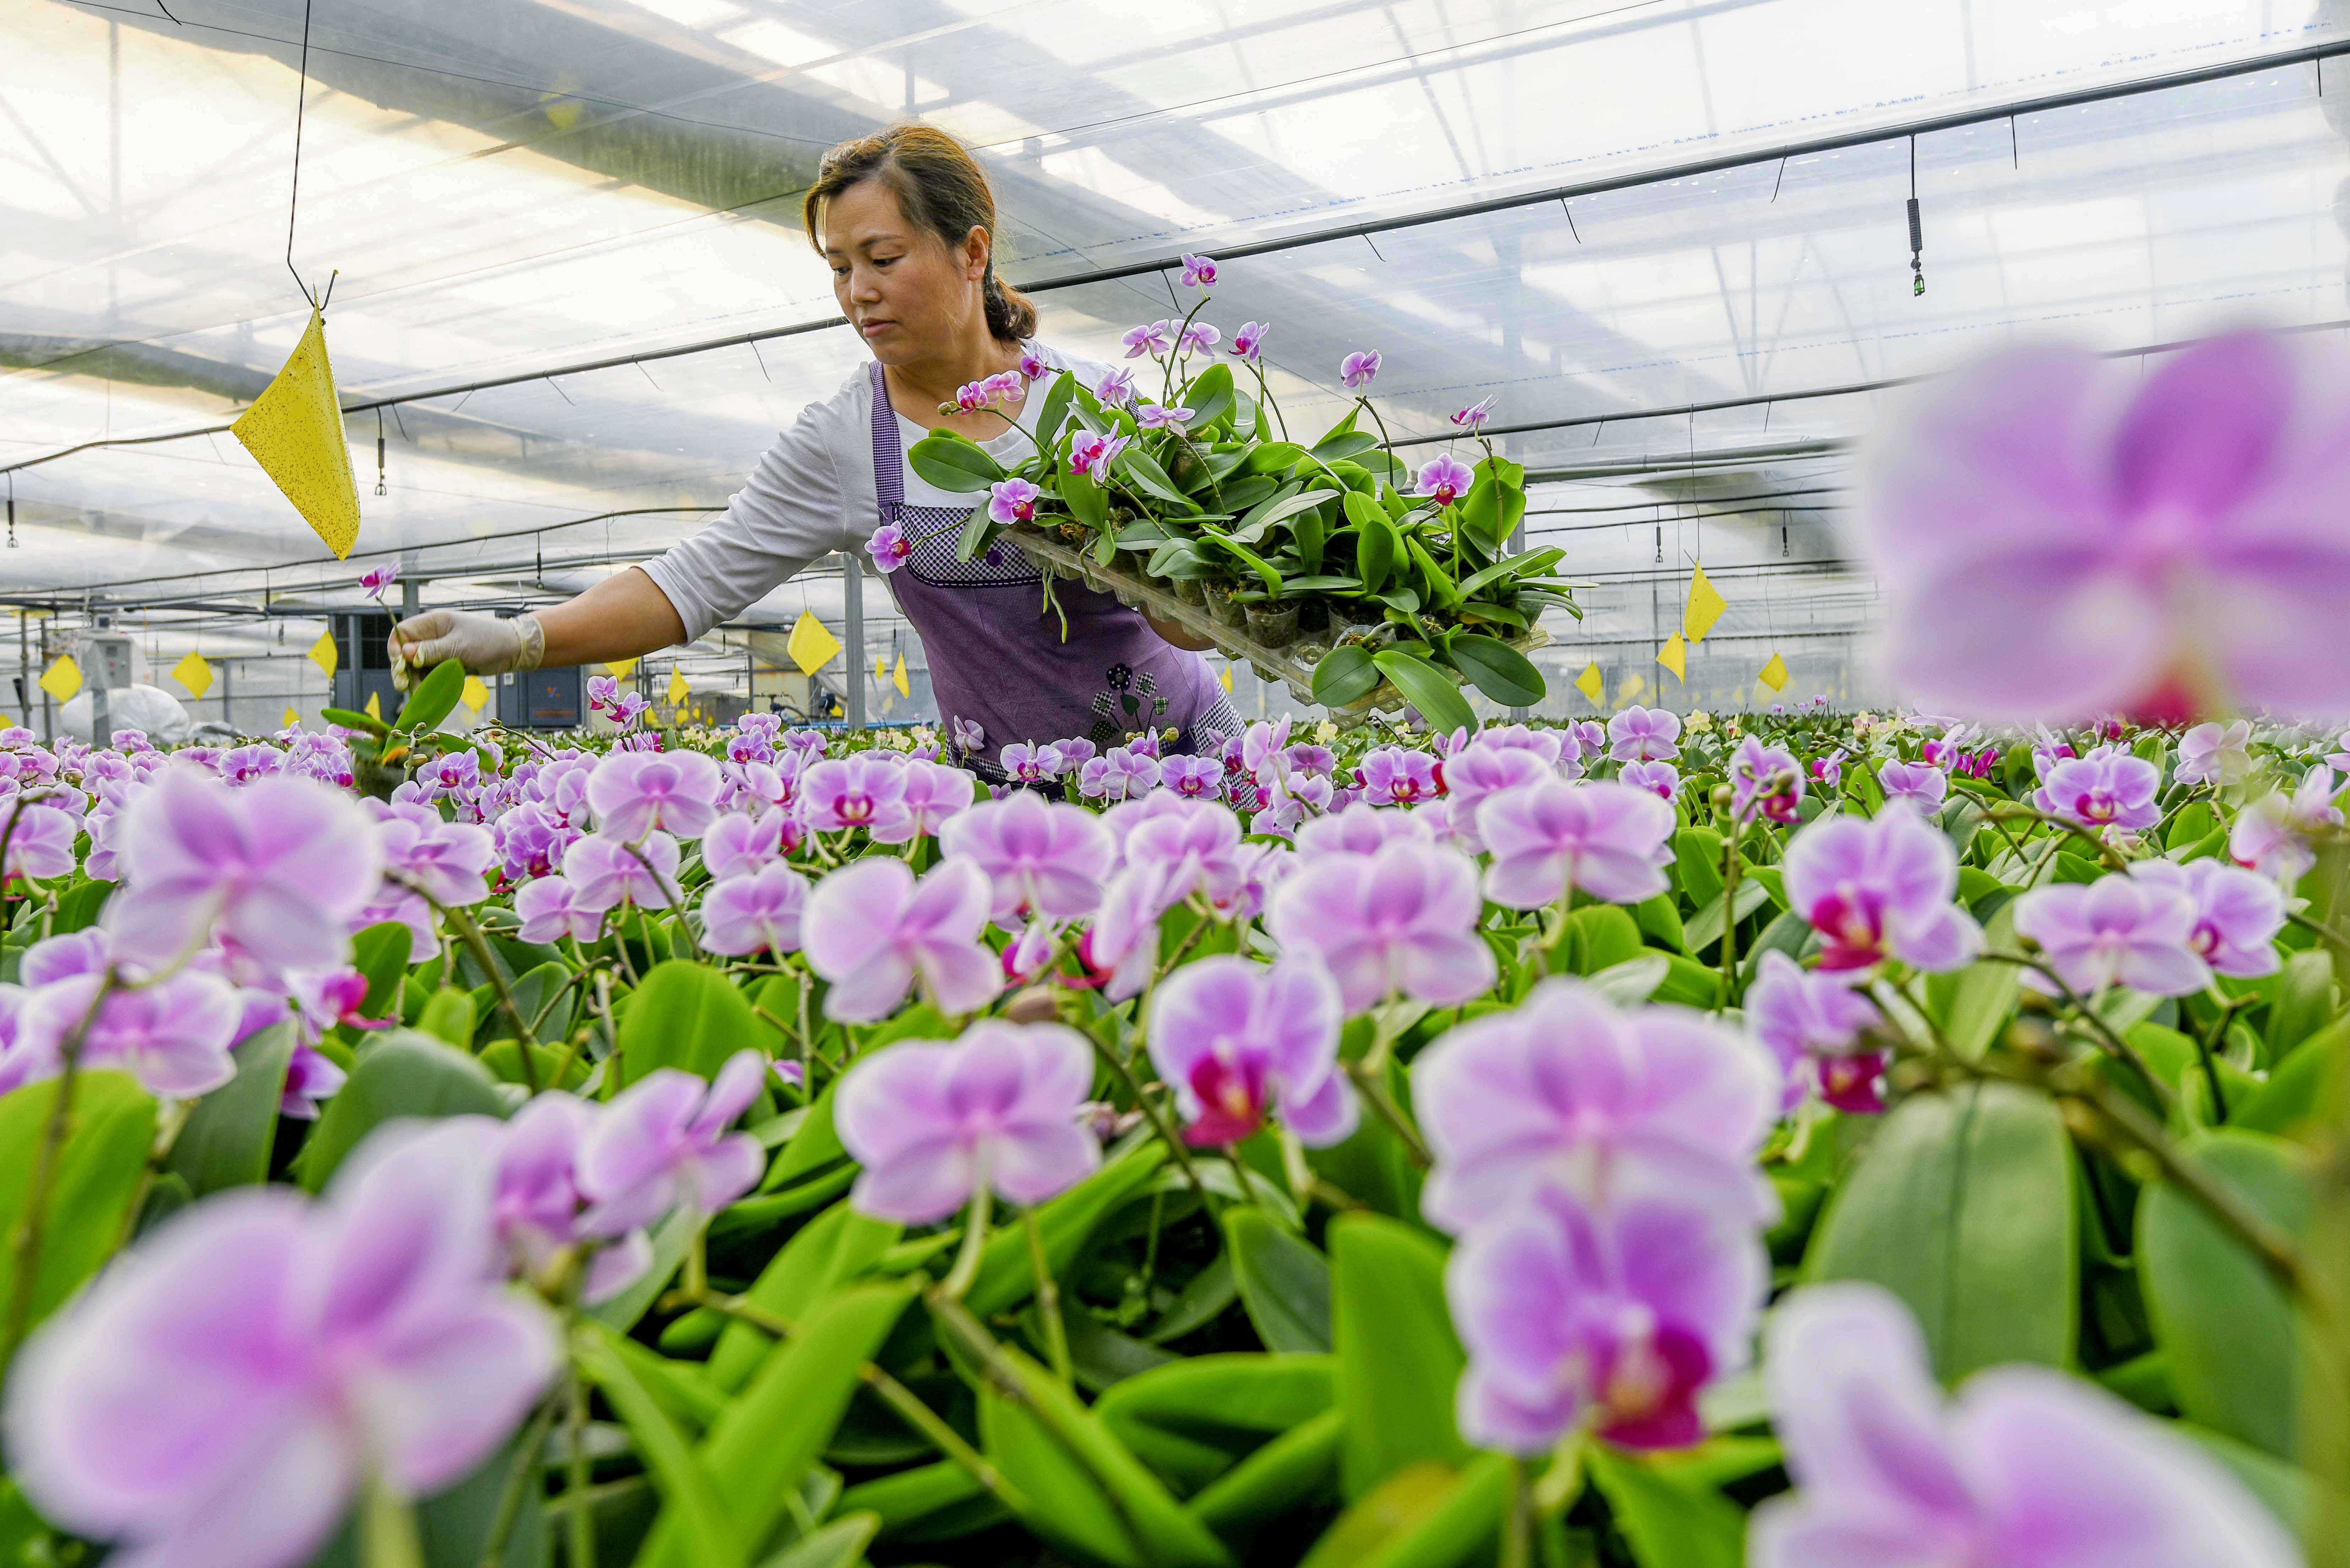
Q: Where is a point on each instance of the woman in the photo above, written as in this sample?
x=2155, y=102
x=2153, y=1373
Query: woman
x=908, y=222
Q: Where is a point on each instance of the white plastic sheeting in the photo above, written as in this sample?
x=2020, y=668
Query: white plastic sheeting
x=512, y=187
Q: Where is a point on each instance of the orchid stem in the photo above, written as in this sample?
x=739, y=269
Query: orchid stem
x=577, y=1478
x=1048, y=1299
x=959, y=1279
x=27, y=1242
x=387, y=1537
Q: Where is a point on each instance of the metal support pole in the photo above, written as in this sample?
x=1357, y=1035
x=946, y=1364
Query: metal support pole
x=412, y=595
x=852, y=577
x=228, y=684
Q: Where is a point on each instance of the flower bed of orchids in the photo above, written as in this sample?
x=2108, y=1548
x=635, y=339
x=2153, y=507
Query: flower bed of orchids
x=1332, y=563
x=1788, y=1139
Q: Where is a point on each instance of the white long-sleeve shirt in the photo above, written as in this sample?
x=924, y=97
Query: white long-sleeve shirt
x=812, y=493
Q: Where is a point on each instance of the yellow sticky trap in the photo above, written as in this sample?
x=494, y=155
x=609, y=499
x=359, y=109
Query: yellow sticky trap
x=1589, y=683
x=294, y=430
x=1634, y=684
x=1226, y=675
x=63, y=679
x=323, y=654
x=678, y=689
x=898, y=678
x=1773, y=674
x=1674, y=656
x=1705, y=608
x=194, y=673
x=375, y=707
x=621, y=669
x=476, y=694
x=292, y=718
x=811, y=647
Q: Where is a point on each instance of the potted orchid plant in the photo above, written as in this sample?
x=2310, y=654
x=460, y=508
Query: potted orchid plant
x=1179, y=470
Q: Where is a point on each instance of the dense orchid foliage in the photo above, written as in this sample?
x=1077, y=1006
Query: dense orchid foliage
x=1791, y=1138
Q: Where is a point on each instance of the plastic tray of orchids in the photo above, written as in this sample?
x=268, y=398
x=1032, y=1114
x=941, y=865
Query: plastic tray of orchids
x=1328, y=565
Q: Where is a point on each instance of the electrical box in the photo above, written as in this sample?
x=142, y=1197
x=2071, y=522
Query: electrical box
x=106, y=661
x=541, y=699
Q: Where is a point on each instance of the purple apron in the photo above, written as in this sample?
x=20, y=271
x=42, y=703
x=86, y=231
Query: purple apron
x=992, y=665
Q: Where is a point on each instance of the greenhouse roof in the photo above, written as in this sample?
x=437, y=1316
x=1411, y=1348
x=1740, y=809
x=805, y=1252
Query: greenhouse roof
x=572, y=297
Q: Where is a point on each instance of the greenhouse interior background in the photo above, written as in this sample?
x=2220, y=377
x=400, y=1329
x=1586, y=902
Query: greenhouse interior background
x=571, y=302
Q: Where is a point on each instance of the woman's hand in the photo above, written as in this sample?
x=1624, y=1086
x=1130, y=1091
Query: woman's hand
x=483, y=644
x=1179, y=635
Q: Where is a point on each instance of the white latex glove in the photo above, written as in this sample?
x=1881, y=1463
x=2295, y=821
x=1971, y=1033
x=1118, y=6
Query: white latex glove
x=483, y=644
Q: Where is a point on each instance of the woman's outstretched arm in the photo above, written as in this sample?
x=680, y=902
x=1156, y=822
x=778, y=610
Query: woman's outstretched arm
x=624, y=615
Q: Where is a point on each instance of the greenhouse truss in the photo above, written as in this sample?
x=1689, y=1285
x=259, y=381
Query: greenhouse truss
x=571, y=302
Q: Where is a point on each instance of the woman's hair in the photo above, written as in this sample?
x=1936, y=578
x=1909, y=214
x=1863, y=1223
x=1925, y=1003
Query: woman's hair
x=940, y=187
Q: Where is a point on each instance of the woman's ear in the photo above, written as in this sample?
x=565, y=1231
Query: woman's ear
x=976, y=249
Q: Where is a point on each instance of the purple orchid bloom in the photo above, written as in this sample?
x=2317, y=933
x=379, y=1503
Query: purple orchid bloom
x=1567, y=1090
x=1199, y=337
x=1644, y=736
x=1013, y=501
x=538, y=1204
x=737, y=846
x=1364, y=832
x=1040, y=857
x=1163, y=417
x=2117, y=930
x=1661, y=779
x=2238, y=913
x=173, y=1036
x=1198, y=272
x=2057, y=537
x=1917, y=786
x=2027, y=1466
x=2215, y=754
x=970, y=736
x=550, y=909
x=1443, y=480
x=1153, y=337
x=42, y=846
x=278, y=868
x=1614, y=1318
x=2105, y=788
x=1473, y=418
x=444, y=860
x=935, y=793
x=931, y=1123
x=1879, y=887
x=1030, y=764
x=1359, y=369
x=867, y=789
x=889, y=547
x=1234, y=1037
x=1091, y=454
x=1765, y=781
x=1198, y=778
x=2271, y=834
x=662, y=1144
x=756, y=911
x=603, y=872
x=1609, y=841
x=1120, y=774
x=217, y=1395
x=633, y=793
x=1812, y=1022
x=603, y=690
x=1401, y=922
x=873, y=931
x=1392, y=776
x=376, y=579
x=1115, y=390
x=1248, y=342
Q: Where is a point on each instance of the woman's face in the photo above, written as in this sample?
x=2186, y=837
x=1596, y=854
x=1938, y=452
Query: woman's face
x=908, y=295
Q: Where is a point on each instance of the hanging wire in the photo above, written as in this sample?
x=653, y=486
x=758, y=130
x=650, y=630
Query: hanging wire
x=1917, y=229
x=294, y=196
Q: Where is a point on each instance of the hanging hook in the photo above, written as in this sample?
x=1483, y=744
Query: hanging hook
x=1917, y=228
x=380, y=490
x=11, y=512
